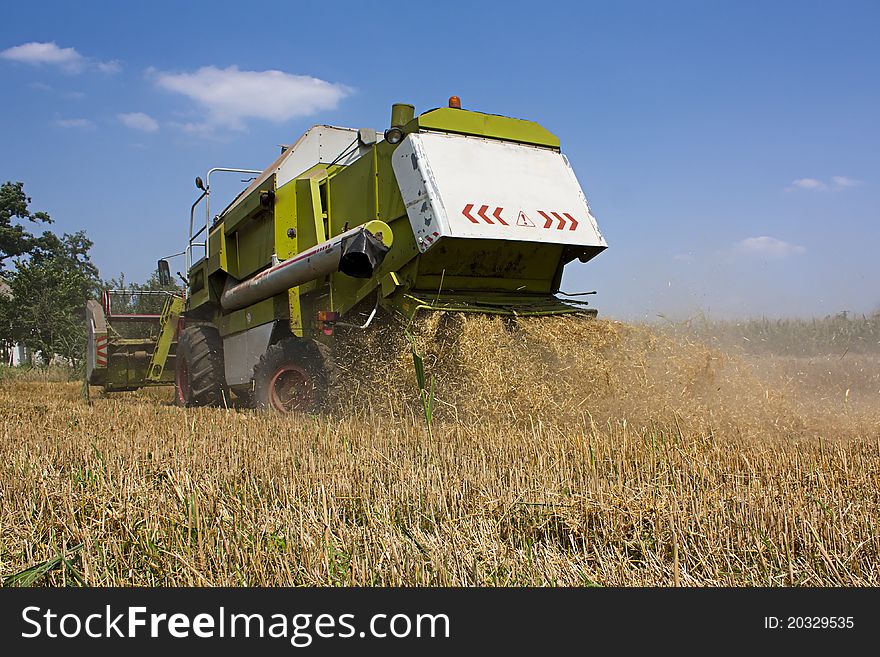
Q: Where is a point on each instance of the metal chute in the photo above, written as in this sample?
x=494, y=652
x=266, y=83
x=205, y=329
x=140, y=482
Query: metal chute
x=357, y=253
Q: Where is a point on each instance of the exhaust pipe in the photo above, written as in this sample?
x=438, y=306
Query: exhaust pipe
x=356, y=253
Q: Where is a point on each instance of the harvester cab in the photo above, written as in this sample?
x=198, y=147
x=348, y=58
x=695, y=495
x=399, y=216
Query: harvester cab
x=452, y=210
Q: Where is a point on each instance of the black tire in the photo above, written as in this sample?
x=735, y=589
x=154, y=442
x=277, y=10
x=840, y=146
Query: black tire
x=199, y=376
x=294, y=375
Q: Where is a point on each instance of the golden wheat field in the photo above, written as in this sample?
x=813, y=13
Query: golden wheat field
x=562, y=451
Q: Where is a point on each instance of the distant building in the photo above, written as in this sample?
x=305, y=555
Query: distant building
x=14, y=354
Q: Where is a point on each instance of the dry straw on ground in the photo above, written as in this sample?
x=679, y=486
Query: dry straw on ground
x=564, y=451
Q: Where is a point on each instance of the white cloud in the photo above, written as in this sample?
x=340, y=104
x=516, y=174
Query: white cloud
x=45, y=53
x=809, y=183
x=74, y=123
x=841, y=182
x=196, y=129
x=67, y=95
x=230, y=96
x=113, y=66
x=49, y=53
x=836, y=184
x=769, y=247
x=139, y=121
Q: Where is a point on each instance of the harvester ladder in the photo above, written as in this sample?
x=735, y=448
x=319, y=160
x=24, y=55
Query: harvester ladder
x=168, y=323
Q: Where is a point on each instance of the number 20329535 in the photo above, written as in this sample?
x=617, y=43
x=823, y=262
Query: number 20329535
x=809, y=622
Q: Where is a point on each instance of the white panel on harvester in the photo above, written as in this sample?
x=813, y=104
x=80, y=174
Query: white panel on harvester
x=476, y=188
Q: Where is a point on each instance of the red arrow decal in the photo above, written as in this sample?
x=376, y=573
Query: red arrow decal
x=561, y=220
x=497, y=215
x=549, y=219
x=482, y=213
x=574, y=223
x=467, y=212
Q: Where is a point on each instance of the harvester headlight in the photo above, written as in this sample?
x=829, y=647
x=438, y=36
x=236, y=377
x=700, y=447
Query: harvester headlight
x=393, y=135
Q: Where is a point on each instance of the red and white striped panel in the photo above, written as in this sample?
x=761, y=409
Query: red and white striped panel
x=101, y=350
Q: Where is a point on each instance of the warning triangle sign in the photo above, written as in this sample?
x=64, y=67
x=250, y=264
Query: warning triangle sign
x=523, y=220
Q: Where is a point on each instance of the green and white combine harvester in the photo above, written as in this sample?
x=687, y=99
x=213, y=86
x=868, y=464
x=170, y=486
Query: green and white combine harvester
x=451, y=210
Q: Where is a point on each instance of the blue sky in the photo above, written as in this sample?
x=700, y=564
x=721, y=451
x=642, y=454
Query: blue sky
x=728, y=149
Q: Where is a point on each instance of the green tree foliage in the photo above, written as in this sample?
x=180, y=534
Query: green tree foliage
x=15, y=240
x=52, y=280
x=49, y=291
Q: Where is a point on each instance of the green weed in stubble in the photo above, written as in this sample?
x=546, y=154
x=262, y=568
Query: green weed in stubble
x=426, y=391
x=32, y=576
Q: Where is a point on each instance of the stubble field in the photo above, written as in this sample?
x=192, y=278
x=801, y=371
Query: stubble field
x=562, y=451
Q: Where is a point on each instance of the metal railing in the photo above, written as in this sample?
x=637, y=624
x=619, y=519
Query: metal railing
x=128, y=296
x=206, y=195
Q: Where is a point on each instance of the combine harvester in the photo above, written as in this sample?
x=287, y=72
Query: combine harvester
x=452, y=210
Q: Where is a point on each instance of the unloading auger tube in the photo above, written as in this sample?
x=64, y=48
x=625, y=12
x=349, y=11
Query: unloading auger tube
x=356, y=253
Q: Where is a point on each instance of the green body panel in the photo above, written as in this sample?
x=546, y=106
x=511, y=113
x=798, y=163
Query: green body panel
x=219, y=258
x=352, y=196
x=310, y=212
x=262, y=312
x=352, y=201
x=464, y=122
x=287, y=242
x=199, y=289
x=249, y=206
x=391, y=204
x=311, y=218
x=251, y=246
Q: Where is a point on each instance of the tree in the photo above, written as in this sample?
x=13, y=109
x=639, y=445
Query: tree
x=52, y=280
x=14, y=239
x=70, y=251
x=49, y=292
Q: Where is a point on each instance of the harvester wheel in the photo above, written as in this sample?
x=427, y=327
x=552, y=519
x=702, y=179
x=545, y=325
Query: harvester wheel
x=199, y=377
x=293, y=375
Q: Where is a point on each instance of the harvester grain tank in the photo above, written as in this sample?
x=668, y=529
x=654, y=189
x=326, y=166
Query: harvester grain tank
x=452, y=210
